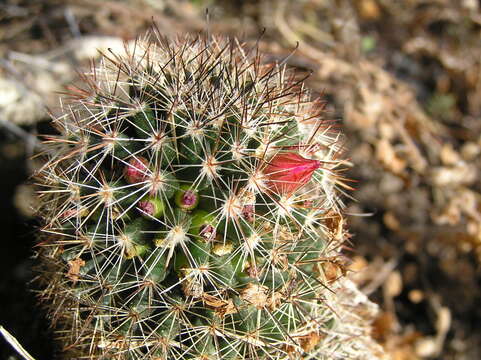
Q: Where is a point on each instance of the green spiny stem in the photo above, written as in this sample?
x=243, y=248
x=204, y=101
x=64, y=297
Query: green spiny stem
x=186, y=216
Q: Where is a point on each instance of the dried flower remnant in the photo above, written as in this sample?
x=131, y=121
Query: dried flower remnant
x=136, y=170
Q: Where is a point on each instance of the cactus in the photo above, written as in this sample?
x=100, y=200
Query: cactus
x=191, y=210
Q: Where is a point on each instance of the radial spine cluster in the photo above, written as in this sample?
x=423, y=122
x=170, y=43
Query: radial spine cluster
x=190, y=207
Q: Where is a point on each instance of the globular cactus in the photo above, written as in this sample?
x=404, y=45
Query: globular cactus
x=191, y=210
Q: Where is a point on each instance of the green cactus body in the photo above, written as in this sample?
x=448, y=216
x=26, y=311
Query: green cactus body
x=188, y=205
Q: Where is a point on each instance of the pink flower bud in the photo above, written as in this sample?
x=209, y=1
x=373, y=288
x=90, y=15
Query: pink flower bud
x=151, y=207
x=147, y=207
x=287, y=172
x=137, y=170
x=189, y=198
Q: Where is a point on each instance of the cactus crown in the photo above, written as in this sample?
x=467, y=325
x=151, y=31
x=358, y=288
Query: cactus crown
x=190, y=208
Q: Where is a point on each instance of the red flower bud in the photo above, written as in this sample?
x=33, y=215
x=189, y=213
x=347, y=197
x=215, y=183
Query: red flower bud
x=287, y=172
x=137, y=170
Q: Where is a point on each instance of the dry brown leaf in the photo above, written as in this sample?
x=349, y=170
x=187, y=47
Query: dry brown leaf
x=74, y=269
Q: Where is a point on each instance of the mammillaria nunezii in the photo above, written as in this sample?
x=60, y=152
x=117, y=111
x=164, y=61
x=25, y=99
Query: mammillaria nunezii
x=201, y=191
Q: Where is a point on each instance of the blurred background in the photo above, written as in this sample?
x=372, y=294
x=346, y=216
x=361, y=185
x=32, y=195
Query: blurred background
x=403, y=78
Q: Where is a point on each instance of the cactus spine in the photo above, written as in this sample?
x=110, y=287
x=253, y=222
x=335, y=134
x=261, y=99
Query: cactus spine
x=191, y=210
